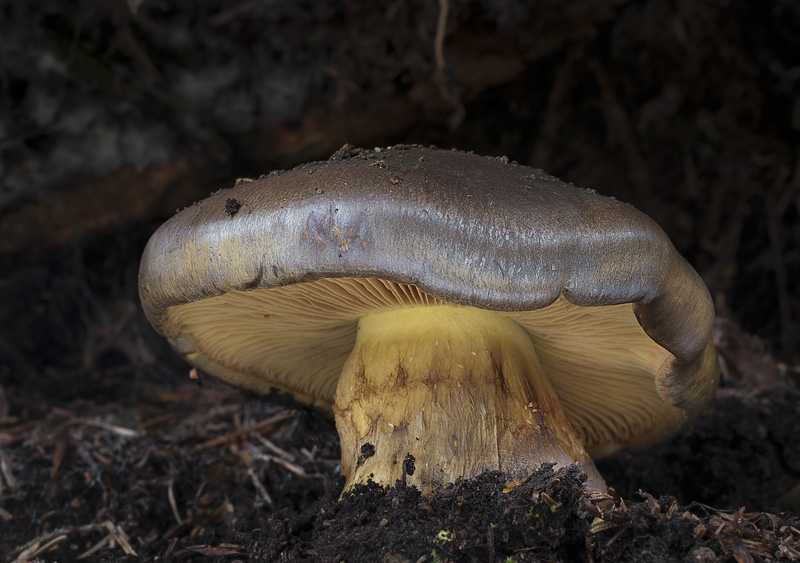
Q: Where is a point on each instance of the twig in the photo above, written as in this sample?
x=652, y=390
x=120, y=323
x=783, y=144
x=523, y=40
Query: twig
x=121, y=538
x=156, y=421
x=270, y=445
x=171, y=498
x=96, y=547
x=439, y=76
x=115, y=533
x=41, y=544
x=267, y=422
x=120, y=430
x=222, y=550
x=58, y=457
x=288, y=465
x=260, y=488
x=5, y=469
x=38, y=549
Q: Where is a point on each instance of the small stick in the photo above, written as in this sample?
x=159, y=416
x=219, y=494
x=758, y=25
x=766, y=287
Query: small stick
x=96, y=547
x=270, y=445
x=220, y=440
x=58, y=457
x=260, y=488
x=45, y=541
x=122, y=431
x=171, y=498
x=5, y=468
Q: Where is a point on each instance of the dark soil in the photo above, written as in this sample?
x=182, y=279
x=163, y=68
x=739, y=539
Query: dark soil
x=213, y=474
x=112, y=114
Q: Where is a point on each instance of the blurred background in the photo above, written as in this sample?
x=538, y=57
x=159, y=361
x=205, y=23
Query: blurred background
x=114, y=114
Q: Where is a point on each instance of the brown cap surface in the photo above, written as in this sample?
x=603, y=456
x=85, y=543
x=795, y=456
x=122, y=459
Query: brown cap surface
x=262, y=285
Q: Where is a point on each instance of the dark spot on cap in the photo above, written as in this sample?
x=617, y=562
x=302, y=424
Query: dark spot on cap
x=232, y=206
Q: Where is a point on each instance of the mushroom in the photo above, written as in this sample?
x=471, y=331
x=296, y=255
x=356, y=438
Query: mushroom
x=456, y=313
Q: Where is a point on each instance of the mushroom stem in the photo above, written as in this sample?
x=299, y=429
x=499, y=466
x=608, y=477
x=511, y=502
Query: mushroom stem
x=458, y=388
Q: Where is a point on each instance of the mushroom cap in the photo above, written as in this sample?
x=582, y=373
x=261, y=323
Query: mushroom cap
x=262, y=285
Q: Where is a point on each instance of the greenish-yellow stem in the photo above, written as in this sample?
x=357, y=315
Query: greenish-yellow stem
x=458, y=389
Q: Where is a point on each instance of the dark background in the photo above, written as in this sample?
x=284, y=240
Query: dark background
x=114, y=114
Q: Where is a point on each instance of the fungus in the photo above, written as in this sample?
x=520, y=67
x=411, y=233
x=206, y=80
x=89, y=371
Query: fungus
x=464, y=312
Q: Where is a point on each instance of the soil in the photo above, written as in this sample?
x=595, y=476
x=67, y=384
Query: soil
x=208, y=473
x=113, y=114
